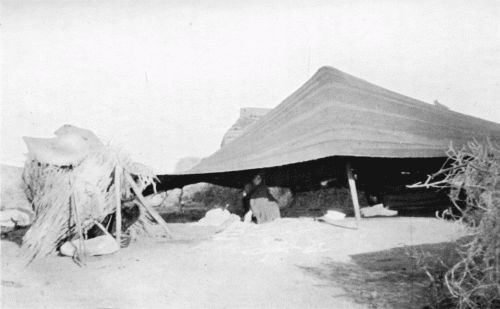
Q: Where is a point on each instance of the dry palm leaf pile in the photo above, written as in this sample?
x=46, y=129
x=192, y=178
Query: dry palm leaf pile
x=74, y=181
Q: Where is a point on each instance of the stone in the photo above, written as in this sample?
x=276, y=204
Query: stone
x=248, y=116
x=13, y=190
x=185, y=164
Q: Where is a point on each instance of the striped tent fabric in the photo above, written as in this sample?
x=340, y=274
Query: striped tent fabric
x=337, y=114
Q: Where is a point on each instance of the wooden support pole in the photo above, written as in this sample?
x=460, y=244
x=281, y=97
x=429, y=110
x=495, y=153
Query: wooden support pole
x=80, y=257
x=118, y=198
x=354, y=192
x=146, y=205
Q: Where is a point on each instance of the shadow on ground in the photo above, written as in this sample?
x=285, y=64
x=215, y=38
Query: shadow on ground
x=390, y=278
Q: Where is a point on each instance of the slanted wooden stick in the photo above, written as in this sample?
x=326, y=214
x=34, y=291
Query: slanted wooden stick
x=118, y=197
x=103, y=229
x=146, y=205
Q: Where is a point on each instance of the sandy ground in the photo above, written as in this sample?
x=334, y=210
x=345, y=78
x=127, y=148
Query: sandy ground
x=283, y=264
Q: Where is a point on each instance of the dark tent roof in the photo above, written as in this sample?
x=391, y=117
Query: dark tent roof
x=336, y=114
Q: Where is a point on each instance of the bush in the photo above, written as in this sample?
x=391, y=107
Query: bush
x=473, y=178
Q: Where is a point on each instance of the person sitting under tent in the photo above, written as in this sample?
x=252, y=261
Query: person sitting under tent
x=260, y=205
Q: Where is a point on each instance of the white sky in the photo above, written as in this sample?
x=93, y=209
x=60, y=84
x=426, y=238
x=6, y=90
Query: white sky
x=166, y=79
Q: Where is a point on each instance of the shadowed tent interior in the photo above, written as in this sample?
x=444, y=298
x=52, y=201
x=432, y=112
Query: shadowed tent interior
x=334, y=118
x=307, y=175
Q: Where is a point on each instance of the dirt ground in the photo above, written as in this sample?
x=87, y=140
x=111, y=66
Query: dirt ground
x=289, y=263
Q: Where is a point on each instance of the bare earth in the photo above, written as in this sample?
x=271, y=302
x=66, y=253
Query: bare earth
x=290, y=263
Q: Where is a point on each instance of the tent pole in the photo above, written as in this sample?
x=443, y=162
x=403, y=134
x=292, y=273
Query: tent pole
x=118, y=197
x=354, y=192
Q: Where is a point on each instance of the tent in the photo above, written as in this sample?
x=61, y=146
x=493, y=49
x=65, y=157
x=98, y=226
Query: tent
x=335, y=114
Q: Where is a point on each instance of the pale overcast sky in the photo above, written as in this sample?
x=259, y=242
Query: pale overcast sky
x=166, y=79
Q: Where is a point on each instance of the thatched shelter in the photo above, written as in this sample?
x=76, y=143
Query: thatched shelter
x=74, y=182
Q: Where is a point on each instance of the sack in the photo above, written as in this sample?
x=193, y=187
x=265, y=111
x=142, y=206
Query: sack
x=100, y=245
x=377, y=210
x=334, y=215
